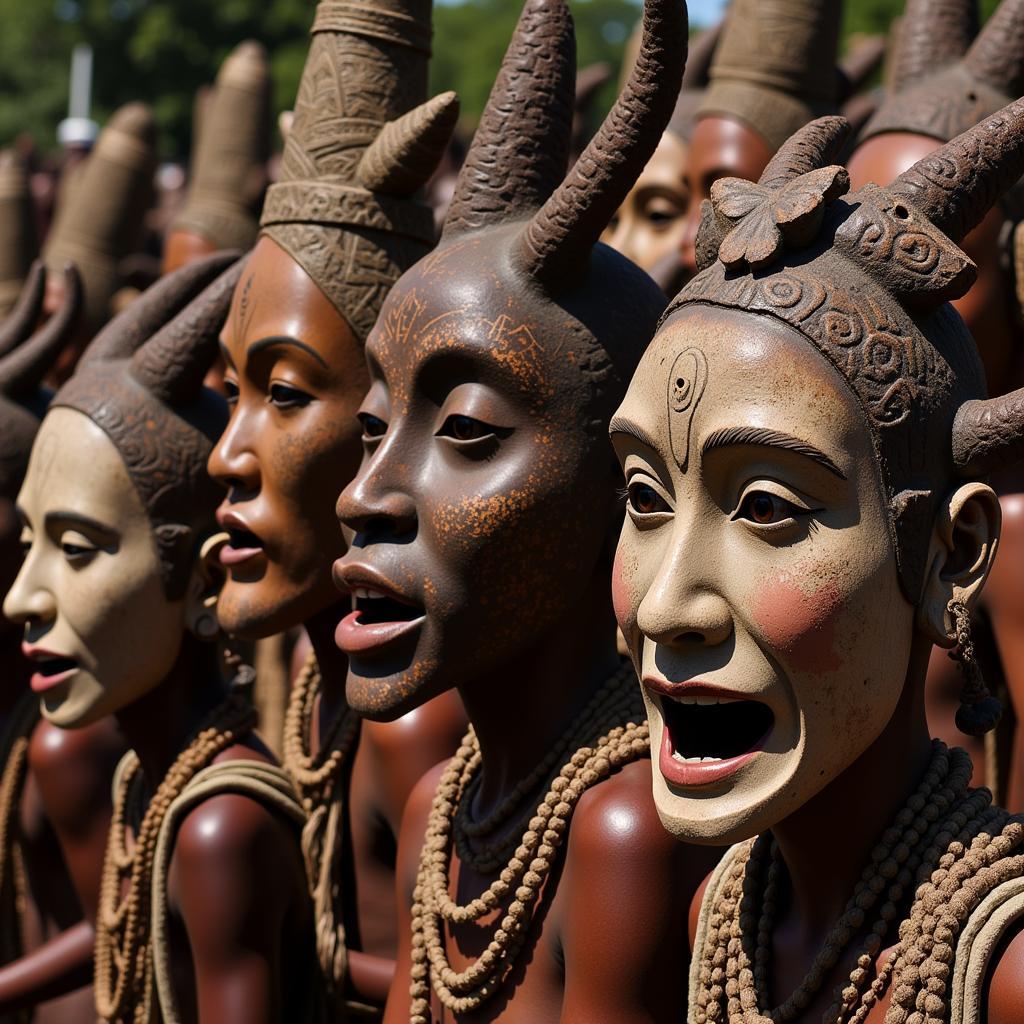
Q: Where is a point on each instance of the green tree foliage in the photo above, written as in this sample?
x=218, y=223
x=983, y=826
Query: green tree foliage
x=162, y=51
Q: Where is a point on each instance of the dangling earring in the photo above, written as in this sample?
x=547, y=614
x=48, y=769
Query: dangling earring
x=979, y=711
x=207, y=626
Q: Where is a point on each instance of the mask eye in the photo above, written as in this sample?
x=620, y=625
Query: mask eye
x=374, y=428
x=76, y=546
x=764, y=509
x=644, y=500
x=286, y=397
x=230, y=391
x=466, y=429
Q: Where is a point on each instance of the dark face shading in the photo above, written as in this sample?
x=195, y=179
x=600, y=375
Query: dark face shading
x=486, y=505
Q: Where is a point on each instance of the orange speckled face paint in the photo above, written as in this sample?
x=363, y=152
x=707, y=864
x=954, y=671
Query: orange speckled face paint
x=486, y=472
x=756, y=582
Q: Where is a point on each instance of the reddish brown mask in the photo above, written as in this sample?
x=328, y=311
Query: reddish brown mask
x=485, y=508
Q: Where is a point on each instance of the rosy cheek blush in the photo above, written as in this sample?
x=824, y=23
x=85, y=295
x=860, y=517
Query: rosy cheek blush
x=622, y=593
x=800, y=623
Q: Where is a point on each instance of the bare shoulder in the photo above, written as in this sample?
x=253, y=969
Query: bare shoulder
x=73, y=768
x=1006, y=982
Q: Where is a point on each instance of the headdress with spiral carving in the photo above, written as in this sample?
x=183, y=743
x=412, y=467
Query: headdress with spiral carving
x=25, y=359
x=867, y=279
x=362, y=144
x=141, y=382
x=946, y=74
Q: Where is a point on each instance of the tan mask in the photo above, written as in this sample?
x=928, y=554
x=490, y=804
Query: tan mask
x=754, y=562
x=100, y=626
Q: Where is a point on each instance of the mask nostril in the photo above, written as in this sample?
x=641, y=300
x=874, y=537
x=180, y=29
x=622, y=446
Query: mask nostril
x=692, y=637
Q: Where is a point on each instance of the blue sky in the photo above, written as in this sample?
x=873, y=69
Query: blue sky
x=701, y=11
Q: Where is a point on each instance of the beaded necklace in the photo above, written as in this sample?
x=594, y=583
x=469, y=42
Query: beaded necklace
x=13, y=885
x=317, y=779
x=124, y=964
x=609, y=733
x=942, y=825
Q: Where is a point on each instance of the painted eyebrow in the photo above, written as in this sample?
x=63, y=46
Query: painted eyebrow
x=620, y=425
x=83, y=521
x=728, y=436
x=283, y=339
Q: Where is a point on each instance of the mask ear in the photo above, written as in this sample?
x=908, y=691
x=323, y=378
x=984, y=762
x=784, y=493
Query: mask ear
x=204, y=586
x=961, y=553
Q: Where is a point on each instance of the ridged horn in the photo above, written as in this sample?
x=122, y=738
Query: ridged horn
x=22, y=370
x=521, y=147
x=555, y=245
x=151, y=310
x=988, y=434
x=407, y=150
x=173, y=363
x=25, y=315
x=958, y=184
x=933, y=33
x=997, y=55
x=815, y=145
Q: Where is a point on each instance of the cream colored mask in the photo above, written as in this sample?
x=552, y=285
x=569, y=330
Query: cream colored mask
x=803, y=445
x=116, y=506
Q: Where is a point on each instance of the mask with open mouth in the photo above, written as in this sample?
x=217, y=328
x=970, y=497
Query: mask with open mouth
x=116, y=503
x=482, y=512
x=804, y=444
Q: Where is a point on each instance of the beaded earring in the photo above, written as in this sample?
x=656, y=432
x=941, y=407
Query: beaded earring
x=979, y=711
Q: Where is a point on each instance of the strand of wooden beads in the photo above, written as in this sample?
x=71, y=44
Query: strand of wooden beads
x=625, y=738
x=124, y=966
x=317, y=778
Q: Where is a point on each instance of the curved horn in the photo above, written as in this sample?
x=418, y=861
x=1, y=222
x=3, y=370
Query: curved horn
x=989, y=433
x=955, y=186
x=407, y=150
x=815, y=145
x=173, y=363
x=521, y=148
x=997, y=55
x=933, y=33
x=860, y=64
x=151, y=310
x=555, y=245
x=22, y=370
x=25, y=315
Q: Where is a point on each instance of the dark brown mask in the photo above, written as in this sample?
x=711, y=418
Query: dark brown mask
x=485, y=507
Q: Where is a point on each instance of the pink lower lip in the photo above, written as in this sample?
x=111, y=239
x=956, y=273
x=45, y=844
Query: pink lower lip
x=355, y=638
x=40, y=683
x=236, y=556
x=703, y=773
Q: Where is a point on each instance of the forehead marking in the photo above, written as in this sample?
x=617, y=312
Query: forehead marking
x=244, y=310
x=686, y=382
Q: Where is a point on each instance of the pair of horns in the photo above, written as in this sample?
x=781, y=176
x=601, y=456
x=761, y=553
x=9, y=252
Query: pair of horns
x=954, y=187
x=938, y=32
x=25, y=357
x=516, y=165
x=170, y=332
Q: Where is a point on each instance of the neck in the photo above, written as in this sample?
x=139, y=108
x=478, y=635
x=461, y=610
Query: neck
x=548, y=684
x=160, y=724
x=333, y=665
x=854, y=809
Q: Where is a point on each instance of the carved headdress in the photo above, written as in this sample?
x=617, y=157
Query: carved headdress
x=867, y=278
x=946, y=75
x=141, y=382
x=362, y=144
x=100, y=220
x=232, y=142
x=775, y=66
x=543, y=224
x=25, y=359
x=17, y=229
